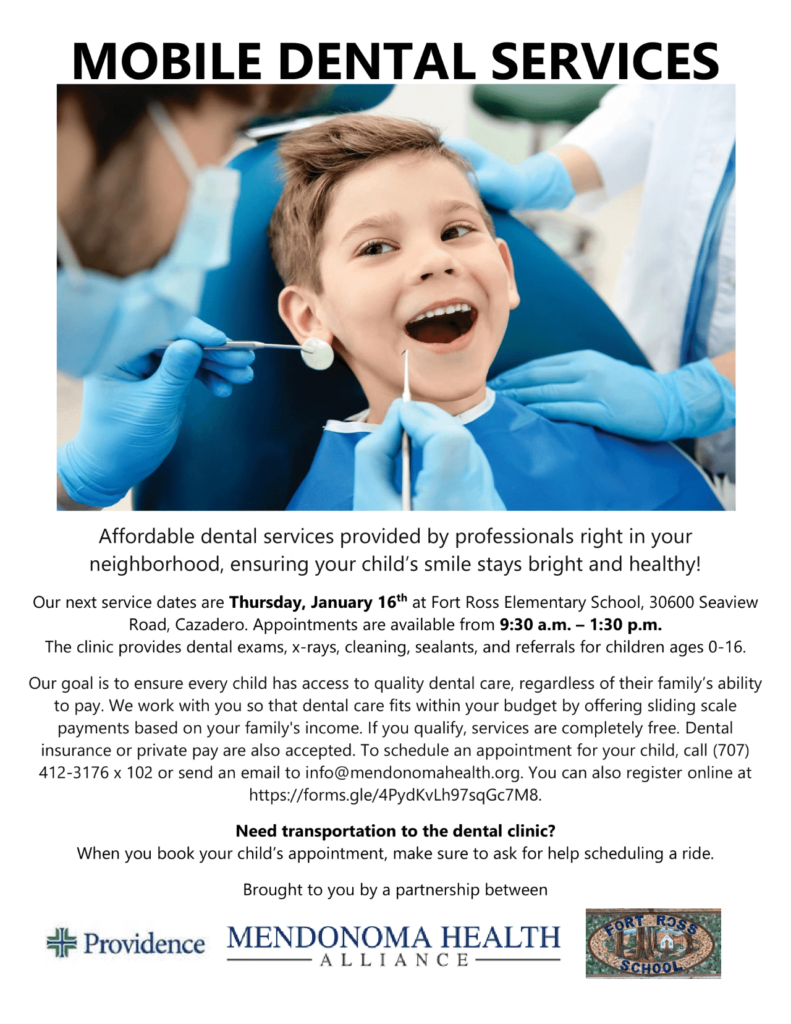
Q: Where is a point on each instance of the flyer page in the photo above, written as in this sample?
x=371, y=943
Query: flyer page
x=410, y=650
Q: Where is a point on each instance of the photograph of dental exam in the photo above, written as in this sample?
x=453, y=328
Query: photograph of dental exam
x=584, y=409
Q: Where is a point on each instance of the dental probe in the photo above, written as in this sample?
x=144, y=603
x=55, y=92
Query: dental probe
x=406, y=448
x=315, y=352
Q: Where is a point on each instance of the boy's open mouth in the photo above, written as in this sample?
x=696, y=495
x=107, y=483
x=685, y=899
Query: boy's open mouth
x=442, y=324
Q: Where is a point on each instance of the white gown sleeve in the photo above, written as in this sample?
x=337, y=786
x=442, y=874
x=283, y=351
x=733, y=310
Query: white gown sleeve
x=618, y=135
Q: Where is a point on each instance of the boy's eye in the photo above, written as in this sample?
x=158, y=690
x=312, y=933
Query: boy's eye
x=375, y=249
x=456, y=231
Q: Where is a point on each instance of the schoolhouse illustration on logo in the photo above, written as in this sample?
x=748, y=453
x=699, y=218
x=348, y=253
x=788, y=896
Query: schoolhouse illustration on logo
x=61, y=942
x=652, y=943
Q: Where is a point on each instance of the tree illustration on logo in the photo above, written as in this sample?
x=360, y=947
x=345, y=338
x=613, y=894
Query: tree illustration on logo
x=640, y=950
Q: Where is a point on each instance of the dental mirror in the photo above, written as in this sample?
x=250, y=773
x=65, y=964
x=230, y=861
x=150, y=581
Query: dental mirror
x=318, y=355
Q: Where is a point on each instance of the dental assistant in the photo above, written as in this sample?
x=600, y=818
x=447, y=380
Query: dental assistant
x=677, y=290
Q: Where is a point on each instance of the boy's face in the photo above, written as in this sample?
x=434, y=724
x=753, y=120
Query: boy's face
x=404, y=239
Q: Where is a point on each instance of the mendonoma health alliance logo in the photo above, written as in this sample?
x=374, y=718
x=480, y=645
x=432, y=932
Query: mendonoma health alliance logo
x=61, y=942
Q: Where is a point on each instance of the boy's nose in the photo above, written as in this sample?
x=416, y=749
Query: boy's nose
x=435, y=261
x=429, y=273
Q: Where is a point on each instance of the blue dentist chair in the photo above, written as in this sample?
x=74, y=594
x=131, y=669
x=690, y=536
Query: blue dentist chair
x=252, y=450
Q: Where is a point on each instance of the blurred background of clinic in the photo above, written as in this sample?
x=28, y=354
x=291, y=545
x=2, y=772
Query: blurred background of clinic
x=513, y=121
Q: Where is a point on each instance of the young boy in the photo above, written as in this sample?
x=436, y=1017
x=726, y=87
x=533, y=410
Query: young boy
x=384, y=245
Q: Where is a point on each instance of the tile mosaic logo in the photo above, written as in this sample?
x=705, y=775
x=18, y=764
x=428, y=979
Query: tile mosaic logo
x=652, y=943
x=61, y=943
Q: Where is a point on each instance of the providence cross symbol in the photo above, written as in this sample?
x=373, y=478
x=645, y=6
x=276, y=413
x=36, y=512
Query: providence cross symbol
x=61, y=942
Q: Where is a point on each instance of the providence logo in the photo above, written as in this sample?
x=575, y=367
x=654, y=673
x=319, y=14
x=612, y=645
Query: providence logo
x=61, y=942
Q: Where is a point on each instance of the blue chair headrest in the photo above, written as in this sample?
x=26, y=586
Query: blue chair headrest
x=347, y=98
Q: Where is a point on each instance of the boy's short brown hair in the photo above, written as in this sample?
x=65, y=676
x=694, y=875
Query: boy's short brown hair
x=316, y=160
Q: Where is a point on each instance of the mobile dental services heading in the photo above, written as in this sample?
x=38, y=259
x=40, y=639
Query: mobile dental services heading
x=140, y=61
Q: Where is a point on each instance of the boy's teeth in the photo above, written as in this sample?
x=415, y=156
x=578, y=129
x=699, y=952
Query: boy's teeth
x=460, y=307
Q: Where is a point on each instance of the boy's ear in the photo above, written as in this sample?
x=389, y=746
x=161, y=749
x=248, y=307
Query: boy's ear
x=298, y=311
x=505, y=252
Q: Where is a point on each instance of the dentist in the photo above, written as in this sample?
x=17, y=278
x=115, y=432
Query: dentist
x=144, y=211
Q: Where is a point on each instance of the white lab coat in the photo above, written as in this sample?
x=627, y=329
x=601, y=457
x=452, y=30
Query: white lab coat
x=677, y=139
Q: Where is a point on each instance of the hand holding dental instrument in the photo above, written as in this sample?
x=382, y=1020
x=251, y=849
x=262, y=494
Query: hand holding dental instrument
x=131, y=414
x=131, y=417
x=406, y=447
x=455, y=474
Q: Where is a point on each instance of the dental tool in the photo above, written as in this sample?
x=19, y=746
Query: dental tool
x=406, y=447
x=316, y=353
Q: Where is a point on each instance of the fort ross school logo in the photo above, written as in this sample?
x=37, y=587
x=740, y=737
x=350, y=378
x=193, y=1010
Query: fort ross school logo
x=651, y=944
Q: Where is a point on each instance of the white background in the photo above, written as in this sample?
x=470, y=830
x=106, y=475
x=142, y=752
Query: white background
x=744, y=553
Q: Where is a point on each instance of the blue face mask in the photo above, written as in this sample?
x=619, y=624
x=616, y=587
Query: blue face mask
x=104, y=321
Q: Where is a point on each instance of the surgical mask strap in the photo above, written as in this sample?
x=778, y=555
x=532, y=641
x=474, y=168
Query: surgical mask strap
x=173, y=138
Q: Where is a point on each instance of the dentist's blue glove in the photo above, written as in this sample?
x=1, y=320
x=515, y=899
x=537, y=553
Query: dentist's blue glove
x=455, y=474
x=590, y=387
x=131, y=415
x=539, y=183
